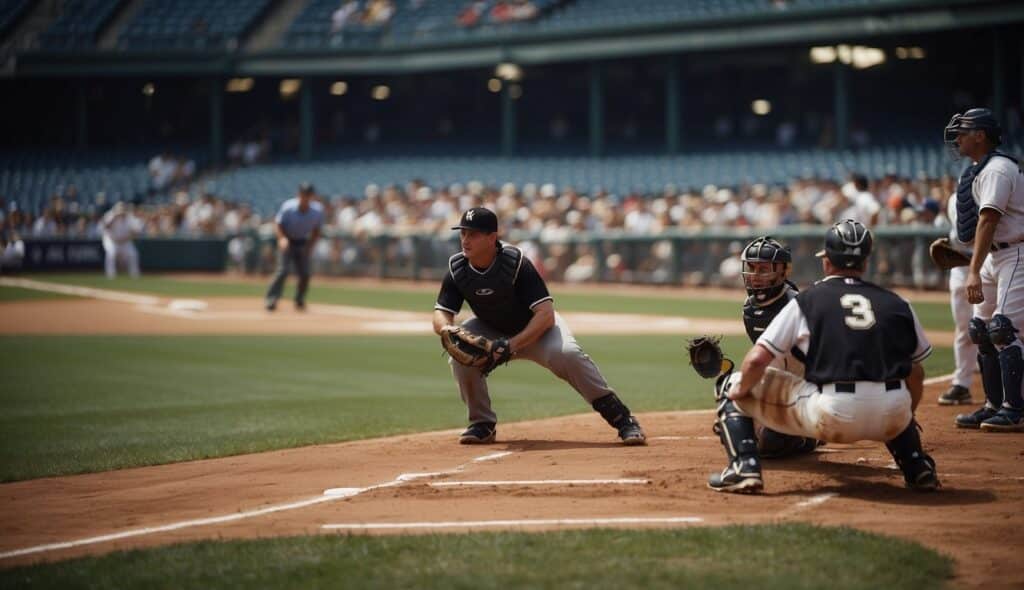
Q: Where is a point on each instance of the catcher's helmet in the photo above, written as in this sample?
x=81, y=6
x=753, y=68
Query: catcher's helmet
x=761, y=285
x=970, y=120
x=847, y=244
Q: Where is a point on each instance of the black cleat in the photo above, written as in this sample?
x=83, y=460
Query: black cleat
x=740, y=477
x=631, y=433
x=975, y=419
x=957, y=395
x=300, y=306
x=1005, y=420
x=923, y=476
x=481, y=433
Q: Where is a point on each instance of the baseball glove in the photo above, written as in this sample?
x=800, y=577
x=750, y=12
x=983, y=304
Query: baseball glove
x=706, y=356
x=474, y=350
x=945, y=256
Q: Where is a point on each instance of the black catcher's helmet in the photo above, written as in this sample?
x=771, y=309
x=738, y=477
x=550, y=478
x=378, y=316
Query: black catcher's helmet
x=761, y=285
x=847, y=244
x=970, y=120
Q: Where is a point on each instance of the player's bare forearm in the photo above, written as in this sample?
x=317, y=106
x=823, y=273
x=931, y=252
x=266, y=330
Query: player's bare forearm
x=988, y=219
x=752, y=369
x=542, y=320
x=441, y=319
x=915, y=384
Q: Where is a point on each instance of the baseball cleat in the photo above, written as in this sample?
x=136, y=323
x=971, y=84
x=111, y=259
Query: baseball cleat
x=923, y=478
x=270, y=306
x=737, y=482
x=631, y=433
x=956, y=395
x=975, y=419
x=481, y=433
x=1005, y=420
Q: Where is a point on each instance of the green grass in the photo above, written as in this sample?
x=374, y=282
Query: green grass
x=76, y=404
x=19, y=294
x=933, y=316
x=784, y=557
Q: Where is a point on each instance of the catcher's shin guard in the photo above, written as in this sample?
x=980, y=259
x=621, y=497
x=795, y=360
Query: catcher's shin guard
x=743, y=473
x=988, y=362
x=918, y=467
x=1010, y=416
x=617, y=415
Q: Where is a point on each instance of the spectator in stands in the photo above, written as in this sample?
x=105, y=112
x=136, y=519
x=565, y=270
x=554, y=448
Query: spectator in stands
x=863, y=206
x=378, y=13
x=346, y=13
x=120, y=228
x=471, y=14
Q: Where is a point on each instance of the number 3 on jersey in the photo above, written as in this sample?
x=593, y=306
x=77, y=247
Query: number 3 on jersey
x=860, y=316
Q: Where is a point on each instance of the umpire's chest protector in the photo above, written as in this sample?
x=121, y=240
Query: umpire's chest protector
x=491, y=293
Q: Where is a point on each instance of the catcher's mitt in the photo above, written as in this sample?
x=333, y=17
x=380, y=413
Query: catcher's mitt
x=706, y=356
x=474, y=350
x=945, y=256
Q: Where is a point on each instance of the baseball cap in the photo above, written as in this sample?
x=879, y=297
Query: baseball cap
x=306, y=187
x=479, y=218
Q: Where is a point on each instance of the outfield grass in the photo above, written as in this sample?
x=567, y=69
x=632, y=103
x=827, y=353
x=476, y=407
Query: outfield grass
x=784, y=557
x=933, y=316
x=75, y=404
x=19, y=294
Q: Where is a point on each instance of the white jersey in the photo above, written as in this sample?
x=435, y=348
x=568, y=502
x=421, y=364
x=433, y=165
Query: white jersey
x=119, y=228
x=1000, y=186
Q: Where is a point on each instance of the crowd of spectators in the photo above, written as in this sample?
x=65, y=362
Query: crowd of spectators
x=534, y=214
x=167, y=170
x=499, y=12
x=355, y=14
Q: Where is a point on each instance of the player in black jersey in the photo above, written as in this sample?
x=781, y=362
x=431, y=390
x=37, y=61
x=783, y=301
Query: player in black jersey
x=766, y=267
x=510, y=300
x=863, y=348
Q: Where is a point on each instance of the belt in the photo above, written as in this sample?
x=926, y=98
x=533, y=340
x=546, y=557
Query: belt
x=997, y=246
x=849, y=387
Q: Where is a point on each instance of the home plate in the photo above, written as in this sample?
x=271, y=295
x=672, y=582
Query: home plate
x=187, y=305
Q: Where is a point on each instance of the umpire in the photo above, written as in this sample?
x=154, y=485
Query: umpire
x=511, y=301
x=297, y=226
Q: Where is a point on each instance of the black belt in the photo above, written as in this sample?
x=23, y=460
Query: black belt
x=849, y=387
x=997, y=246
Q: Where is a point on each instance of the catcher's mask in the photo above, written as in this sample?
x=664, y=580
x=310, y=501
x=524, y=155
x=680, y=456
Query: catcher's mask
x=971, y=120
x=847, y=244
x=766, y=266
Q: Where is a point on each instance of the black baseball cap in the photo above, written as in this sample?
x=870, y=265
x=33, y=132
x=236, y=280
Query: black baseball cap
x=480, y=219
x=306, y=187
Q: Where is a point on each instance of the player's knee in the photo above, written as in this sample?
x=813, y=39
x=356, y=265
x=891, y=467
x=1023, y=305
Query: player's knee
x=977, y=329
x=1001, y=331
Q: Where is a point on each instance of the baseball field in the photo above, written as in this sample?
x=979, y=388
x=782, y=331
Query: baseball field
x=167, y=431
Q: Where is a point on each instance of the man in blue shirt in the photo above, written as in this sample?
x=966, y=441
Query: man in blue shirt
x=297, y=226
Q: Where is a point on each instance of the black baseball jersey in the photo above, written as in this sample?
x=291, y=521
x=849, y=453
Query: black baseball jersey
x=858, y=332
x=503, y=295
x=757, y=317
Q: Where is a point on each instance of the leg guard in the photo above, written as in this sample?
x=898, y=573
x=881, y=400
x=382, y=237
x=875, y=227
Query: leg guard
x=1010, y=417
x=988, y=362
x=617, y=415
x=776, y=445
x=743, y=473
x=918, y=468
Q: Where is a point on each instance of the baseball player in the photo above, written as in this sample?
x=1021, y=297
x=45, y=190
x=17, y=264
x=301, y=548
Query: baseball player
x=513, y=306
x=990, y=216
x=119, y=228
x=862, y=345
x=766, y=267
x=297, y=226
x=965, y=352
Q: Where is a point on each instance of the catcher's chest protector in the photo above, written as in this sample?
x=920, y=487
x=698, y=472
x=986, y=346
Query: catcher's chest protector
x=756, y=318
x=491, y=293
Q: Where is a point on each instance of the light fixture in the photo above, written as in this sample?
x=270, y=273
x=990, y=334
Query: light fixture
x=823, y=55
x=339, y=88
x=845, y=53
x=494, y=85
x=761, y=107
x=289, y=87
x=239, y=85
x=148, y=89
x=380, y=92
x=866, y=57
x=509, y=71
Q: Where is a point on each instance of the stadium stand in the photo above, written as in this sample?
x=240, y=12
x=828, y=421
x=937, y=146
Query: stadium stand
x=191, y=24
x=10, y=12
x=79, y=24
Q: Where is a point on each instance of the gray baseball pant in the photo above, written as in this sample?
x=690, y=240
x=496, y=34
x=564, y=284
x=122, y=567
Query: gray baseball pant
x=295, y=254
x=556, y=351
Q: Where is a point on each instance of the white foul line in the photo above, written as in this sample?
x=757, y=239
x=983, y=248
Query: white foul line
x=939, y=379
x=81, y=291
x=507, y=523
x=808, y=503
x=540, y=482
x=328, y=496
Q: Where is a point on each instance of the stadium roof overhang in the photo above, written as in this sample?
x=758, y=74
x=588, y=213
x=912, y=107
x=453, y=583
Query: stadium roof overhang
x=607, y=43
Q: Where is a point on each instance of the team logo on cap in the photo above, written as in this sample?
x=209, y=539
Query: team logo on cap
x=469, y=215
